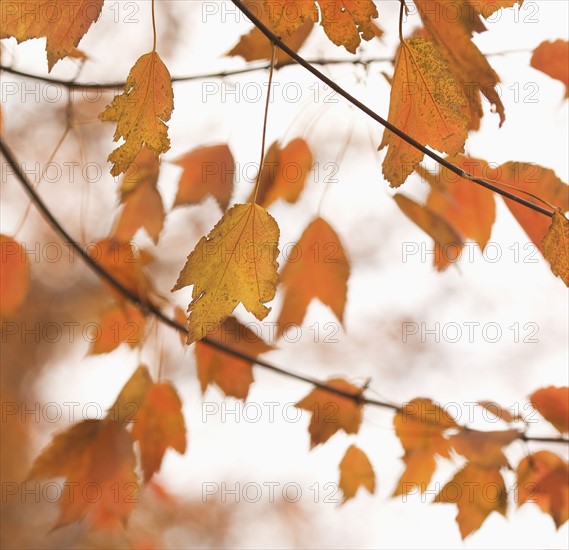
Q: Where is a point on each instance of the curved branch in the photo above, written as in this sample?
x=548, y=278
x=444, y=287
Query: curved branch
x=149, y=308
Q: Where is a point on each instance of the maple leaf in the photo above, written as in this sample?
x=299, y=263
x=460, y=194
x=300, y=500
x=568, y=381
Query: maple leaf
x=427, y=104
x=142, y=201
x=232, y=374
x=158, y=425
x=206, y=171
x=97, y=459
x=552, y=58
x=131, y=397
x=319, y=269
x=483, y=448
x=488, y=7
x=446, y=237
x=543, y=478
x=540, y=181
x=421, y=427
x=14, y=276
x=355, y=471
x=477, y=492
x=235, y=263
x=332, y=412
x=118, y=324
x=555, y=246
x=141, y=112
x=63, y=24
x=553, y=404
x=284, y=172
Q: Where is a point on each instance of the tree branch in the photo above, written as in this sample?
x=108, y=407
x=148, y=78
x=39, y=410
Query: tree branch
x=149, y=308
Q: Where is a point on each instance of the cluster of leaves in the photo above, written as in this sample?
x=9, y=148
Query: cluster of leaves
x=235, y=263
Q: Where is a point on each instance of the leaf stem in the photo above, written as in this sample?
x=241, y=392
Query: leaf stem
x=153, y=26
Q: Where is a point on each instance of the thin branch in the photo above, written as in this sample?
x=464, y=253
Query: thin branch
x=149, y=308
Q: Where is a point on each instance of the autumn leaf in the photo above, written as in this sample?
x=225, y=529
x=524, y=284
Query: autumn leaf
x=448, y=242
x=540, y=181
x=543, y=478
x=232, y=374
x=63, y=24
x=487, y=8
x=555, y=246
x=332, y=412
x=284, y=172
x=158, y=425
x=317, y=268
x=181, y=318
x=484, y=448
x=141, y=112
x=236, y=263
x=122, y=323
x=355, y=471
x=131, y=397
x=552, y=58
x=477, y=492
x=553, y=404
x=97, y=459
x=206, y=171
x=427, y=104
x=142, y=201
x=498, y=412
x=421, y=427
x=14, y=276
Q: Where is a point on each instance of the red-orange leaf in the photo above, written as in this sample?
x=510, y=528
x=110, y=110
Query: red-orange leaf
x=14, y=276
x=552, y=58
x=122, y=323
x=207, y=171
x=553, y=404
x=332, y=412
x=232, y=374
x=355, y=471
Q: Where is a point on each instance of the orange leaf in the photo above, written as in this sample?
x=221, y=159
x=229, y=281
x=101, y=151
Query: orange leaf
x=158, y=425
x=332, y=412
x=317, y=268
x=540, y=181
x=284, y=172
x=207, y=171
x=355, y=471
x=142, y=201
x=141, y=112
x=543, y=478
x=497, y=411
x=483, y=448
x=487, y=7
x=181, y=317
x=62, y=23
x=122, y=323
x=231, y=374
x=235, y=263
x=14, y=276
x=477, y=492
x=97, y=458
x=286, y=16
x=555, y=246
x=131, y=397
x=427, y=104
x=553, y=404
x=552, y=58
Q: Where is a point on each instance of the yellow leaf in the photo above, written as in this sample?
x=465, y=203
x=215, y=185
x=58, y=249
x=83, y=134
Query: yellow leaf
x=355, y=471
x=556, y=246
x=236, y=263
x=426, y=103
x=141, y=112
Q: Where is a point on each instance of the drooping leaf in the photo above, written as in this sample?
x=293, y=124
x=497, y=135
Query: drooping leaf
x=355, y=471
x=63, y=24
x=232, y=374
x=142, y=201
x=158, y=425
x=555, y=246
x=553, y=404
x=121, y=323
x=14, y=276
x=317, y=268
x=543, y=478
x=484, y=448
x=207, y=171
x=426, y=103
x=477, y=492
x=236, y=263
x=332, y=412
x=552, y=58
x=131, y=397
x=97, y=459
x=141, y=112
